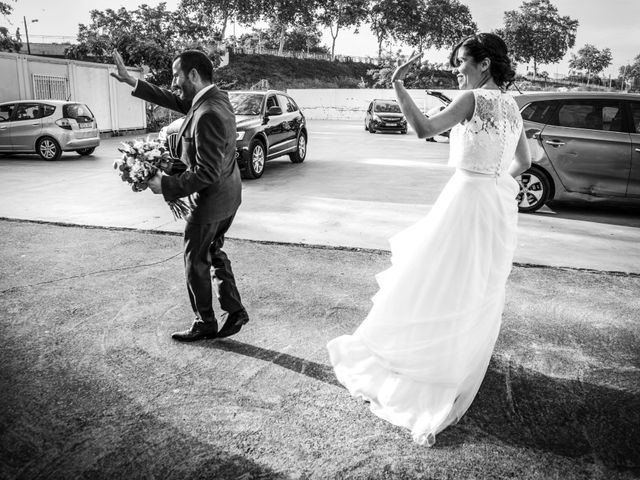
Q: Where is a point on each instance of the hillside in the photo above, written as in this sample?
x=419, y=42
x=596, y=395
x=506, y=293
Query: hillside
x=282, y=73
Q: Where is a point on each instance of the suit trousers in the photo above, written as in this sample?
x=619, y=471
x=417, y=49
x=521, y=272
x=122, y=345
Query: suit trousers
x=208, y=268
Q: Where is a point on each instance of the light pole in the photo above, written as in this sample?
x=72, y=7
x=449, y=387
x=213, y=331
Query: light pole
x=26, y=32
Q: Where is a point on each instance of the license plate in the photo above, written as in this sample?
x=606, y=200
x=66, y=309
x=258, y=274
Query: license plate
x=85, y=125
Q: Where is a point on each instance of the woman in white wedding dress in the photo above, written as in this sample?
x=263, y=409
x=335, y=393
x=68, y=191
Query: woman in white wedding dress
x=420, y=355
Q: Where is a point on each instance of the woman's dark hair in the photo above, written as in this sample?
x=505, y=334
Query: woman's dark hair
x=190, y=59
x=487, y=45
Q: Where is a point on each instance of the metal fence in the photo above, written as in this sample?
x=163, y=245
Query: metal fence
x=304, y=55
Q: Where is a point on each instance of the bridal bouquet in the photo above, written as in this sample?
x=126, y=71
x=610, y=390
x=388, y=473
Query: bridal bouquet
x=140, y=161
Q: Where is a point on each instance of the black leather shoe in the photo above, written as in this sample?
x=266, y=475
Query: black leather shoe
x=198, y=331
x=234, y=323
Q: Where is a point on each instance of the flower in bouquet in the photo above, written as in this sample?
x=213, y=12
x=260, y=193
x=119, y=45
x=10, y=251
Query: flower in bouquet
x=140, y=161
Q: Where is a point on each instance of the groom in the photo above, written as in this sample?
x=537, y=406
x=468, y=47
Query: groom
x=207, y=145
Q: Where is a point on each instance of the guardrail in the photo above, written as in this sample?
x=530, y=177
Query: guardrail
x=304, y=55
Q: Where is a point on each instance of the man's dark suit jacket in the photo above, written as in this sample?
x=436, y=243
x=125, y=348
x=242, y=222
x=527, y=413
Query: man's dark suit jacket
x=208, y=146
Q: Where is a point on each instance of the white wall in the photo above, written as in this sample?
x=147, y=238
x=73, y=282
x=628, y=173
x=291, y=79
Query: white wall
x=351, y=104
x=109, y=100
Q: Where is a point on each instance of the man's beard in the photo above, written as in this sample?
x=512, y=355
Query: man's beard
x=187, y=91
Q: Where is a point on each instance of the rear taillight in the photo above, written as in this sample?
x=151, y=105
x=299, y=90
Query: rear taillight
x=64, y=123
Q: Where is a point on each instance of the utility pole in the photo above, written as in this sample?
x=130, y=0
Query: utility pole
x=26, y=32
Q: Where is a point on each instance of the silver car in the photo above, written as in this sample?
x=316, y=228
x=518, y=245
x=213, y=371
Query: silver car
x=384, y=115
x=584, y=146
x=48, y=128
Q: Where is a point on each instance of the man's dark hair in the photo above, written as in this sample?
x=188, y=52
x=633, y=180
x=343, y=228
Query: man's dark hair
x=190, y=59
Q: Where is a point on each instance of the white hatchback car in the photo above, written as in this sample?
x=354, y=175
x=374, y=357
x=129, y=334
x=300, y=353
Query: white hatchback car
x=48, y=128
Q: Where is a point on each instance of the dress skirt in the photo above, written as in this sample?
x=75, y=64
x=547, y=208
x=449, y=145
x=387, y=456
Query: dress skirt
x=420, y=355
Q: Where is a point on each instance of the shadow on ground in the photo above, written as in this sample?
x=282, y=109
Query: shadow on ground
x=91, y=385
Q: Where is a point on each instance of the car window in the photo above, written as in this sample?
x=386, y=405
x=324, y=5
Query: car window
x=6, y=111
x=27, y=111
x=538, y=111
x=47, y=110
x=387, y=107
x=246, y=103
x=590, y=114
x=78, y=112
x=635, y=115
x=271, y=101
x=285, y=103
x=292, y=105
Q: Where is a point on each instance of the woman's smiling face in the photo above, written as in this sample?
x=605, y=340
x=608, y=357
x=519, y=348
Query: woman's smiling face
x=470, y=74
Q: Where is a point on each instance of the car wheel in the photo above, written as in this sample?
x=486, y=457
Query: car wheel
x=535, y=190
x=86, y=151
x=371, y=129
x=257, y=158
x=48, y=149
x=301, y=152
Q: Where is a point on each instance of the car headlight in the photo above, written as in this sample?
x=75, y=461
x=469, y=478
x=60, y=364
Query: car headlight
x=376, y=118
x=239, y=135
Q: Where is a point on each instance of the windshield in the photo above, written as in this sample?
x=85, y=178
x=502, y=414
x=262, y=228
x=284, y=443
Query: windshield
x=387, y=107
x=246, y=103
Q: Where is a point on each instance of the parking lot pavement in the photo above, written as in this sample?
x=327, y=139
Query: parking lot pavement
x=93, y=386
x=354, y=190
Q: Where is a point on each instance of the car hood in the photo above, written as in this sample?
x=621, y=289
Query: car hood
x=389, y=115
x=244, y=122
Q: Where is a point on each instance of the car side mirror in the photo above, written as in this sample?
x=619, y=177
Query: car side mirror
x=273, y=111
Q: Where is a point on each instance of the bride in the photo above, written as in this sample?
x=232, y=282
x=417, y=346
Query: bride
x=420, y=355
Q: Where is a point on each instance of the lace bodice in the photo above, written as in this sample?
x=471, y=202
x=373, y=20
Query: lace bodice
x=487, y=143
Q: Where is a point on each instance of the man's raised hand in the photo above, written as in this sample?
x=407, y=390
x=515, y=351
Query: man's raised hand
x=122, y=75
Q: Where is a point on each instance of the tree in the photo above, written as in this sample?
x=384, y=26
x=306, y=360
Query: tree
x=336, y=14
x=591, y=59
x=5, y=8
x=436, y=23
x=7, y=42
x=536, y=32
x=630, y=74
x=205, y=14
x=301, y=38
x=306, y=39
x=148, y=36
x=282, y=14
x=387, y=17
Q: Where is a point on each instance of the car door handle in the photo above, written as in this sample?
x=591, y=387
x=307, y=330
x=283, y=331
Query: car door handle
x=554, y=143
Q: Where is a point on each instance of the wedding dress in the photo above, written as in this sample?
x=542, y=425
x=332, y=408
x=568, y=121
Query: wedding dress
x=420, y=355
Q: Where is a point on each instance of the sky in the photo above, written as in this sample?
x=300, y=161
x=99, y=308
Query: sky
x=612, y=24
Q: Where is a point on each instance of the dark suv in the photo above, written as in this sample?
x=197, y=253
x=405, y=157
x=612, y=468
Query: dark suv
x=269, y=125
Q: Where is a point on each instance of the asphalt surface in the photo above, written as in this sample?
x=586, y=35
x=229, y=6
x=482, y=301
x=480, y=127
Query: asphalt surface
x=92, y=386
x=355, y=189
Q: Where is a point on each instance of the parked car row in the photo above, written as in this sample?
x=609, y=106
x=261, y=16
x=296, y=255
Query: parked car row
x=583, y=145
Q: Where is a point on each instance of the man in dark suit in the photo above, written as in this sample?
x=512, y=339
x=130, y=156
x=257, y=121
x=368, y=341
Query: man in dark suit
x=207, y=142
